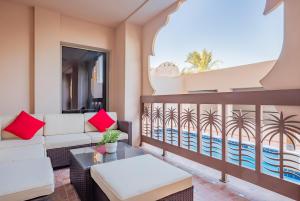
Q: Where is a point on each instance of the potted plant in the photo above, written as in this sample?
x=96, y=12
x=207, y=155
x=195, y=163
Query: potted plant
x=110, y=140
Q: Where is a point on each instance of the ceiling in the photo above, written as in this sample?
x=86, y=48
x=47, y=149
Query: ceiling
x=105, y=12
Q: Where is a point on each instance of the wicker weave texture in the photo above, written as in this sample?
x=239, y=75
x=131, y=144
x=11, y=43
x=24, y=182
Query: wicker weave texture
x=61, y=157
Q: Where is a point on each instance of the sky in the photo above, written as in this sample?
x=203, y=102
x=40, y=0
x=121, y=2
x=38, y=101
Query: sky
x=235, y=31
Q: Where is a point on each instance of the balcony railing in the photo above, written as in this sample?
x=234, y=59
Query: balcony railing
x=217, y=130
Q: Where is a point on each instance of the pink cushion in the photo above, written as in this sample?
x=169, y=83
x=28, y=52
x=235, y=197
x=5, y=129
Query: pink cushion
x=101, y=121
x=25, y=126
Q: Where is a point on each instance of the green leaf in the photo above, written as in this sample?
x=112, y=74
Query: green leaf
x=110, y=136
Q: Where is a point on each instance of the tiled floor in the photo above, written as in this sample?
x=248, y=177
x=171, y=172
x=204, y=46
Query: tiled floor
x=207, y=187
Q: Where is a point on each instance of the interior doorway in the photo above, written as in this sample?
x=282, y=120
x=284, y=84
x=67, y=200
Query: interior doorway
x=84, y=83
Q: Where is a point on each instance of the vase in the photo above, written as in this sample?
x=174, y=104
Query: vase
x=111, y=147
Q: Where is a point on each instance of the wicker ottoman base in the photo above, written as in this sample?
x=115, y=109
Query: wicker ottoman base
x=185, y=195
x=60, y=157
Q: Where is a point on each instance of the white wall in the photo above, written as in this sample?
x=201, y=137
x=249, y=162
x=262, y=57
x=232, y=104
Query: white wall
x=117, y=75
x=224, y=80
x=16, y=58
x=164, y=85
x=221, y=80
x=47, y=62
x=30, y=54
x=133, y=72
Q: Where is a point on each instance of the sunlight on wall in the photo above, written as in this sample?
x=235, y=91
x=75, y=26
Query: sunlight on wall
x=236, y=32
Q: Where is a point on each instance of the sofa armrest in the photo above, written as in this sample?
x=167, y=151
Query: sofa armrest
x=126, y=127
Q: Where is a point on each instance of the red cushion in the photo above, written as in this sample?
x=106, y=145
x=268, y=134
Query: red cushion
x=25, y=126
x=101, y=121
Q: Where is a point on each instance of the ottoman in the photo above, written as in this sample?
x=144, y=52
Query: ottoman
x=31, y=179
x=141, y=178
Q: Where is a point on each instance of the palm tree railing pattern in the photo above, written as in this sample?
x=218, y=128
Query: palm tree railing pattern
x=255, y=145
x=158, y=122
x=171, y=120
x=189, y=122
x=243, y=124
x=146, y=118
x=211, y=120
x=283, y=126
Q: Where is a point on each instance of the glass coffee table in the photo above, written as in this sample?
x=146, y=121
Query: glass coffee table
x=83, y=158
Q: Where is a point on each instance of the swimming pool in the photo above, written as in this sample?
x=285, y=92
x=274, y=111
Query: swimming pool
x=269, y=163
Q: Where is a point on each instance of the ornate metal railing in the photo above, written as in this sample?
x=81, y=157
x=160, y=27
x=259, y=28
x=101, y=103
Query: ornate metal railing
x=259, y=147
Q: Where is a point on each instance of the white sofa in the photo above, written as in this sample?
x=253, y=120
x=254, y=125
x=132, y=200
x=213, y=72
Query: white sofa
x=25, y=170
x=26, y=165
x=61, y=133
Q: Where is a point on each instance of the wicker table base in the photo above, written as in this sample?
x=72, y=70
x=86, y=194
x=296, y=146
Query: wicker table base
x=82, y=160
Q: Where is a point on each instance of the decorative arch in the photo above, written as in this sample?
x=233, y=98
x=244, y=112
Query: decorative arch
x=271, y=5
x=150, y=32
x=286, y=72
x=154, y=26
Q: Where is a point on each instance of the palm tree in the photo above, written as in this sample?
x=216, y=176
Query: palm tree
x=282, y=126
x=157, y=116
x=211, y=119
x=147, y=116
x=189, y=120
x=171, y=118
x=201, y=61
x=241, y=122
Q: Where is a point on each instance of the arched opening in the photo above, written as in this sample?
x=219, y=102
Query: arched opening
x=224, y=35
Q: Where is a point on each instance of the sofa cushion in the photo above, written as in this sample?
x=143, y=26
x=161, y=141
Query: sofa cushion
x=102, y=121
x=59, y=141
x=143, y=178
x=96, y=137
x=24, y=126
x=22, y=152
x=88, y=127
x=24, y=180
x=60, y=124
x=18, y=142
x=6, y=120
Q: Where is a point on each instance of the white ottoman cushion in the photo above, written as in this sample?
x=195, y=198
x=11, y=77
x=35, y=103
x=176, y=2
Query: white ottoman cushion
x=140, y=178
x=27, y=179
x=23, y=153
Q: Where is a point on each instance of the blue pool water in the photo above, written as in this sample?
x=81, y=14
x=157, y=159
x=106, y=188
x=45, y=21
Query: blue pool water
x=269, y=155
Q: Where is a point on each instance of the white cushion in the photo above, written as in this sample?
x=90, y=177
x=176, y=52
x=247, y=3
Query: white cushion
x=60, y=124
x=96, y=137
x=6, y=120
x=90, y=128
x=19, y=142
x=24, y=180
x=140, y=178
x=22, y=153
x=59, y=141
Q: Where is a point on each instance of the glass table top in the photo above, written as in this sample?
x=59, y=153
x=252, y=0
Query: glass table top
x=89, y=156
